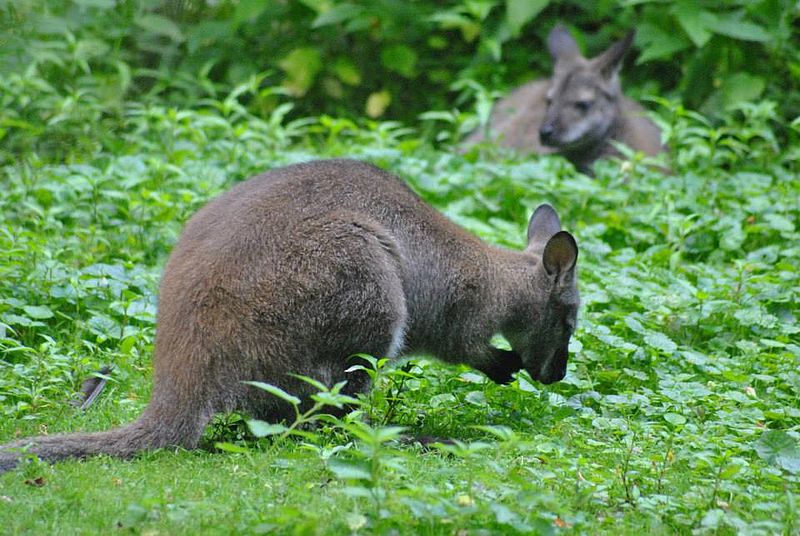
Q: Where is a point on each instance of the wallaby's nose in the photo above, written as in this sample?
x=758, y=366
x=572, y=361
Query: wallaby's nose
x=546, y=133
x=552, y=376
x=557, y=368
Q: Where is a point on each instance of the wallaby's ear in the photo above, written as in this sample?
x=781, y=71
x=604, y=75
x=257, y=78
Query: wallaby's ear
x=562, y=45
x=544, y=224
x=560, y=254
x=609, y=62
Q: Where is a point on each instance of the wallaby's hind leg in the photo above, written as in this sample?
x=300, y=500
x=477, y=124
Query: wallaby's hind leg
x=353, y=302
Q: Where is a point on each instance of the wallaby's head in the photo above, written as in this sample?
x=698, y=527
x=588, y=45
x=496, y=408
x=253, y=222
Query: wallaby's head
x=542, y=328
x=583, y=98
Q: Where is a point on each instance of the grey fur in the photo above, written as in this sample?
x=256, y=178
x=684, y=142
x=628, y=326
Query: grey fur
x=551, y=116
x=297, y=269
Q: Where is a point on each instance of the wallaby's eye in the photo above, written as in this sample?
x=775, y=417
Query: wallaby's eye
x=583, y=105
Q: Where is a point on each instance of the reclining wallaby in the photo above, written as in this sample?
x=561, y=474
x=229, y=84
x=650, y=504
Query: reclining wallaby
x=295, y=270
x=577, y=112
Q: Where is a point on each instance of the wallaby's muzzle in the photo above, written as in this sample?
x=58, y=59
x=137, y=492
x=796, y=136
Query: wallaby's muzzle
x=546, y=134
x=551, y=370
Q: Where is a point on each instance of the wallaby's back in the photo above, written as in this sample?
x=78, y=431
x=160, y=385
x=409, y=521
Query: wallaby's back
x=273, y=219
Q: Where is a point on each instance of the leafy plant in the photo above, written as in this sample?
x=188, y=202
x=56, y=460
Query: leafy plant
x=378, y=58
x=679, y=411
x=303, y=416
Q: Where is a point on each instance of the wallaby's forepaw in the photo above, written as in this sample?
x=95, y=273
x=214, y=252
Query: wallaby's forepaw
x=501, y=378
x=504, y=365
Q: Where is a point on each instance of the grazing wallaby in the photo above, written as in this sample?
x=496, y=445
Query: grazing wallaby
x=297, y=269
x=577, y=112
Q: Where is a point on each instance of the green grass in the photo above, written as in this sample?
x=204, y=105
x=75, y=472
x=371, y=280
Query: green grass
x=679, y=413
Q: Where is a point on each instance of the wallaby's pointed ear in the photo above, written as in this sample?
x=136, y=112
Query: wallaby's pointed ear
x=609, y=62
x=544, y=224
x=560, y=254
x=562, y=45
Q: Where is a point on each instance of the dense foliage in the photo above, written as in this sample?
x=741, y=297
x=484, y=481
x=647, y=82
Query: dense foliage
x=680, y=412
x=392, y=58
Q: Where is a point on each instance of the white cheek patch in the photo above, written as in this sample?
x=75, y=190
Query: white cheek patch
x=578, y=130
x=545, y=366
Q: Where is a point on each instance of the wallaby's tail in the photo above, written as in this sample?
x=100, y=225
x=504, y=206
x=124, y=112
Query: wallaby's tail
x=161, y=425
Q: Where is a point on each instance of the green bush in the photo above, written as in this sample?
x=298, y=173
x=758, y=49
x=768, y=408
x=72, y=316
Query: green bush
x=393, y=58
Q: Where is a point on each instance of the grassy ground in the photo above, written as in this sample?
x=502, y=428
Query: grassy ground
x=679, y=413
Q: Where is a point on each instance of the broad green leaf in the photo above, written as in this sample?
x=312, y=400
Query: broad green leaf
x=349, y=469
x=476, y=397
x=695, y=22
x=337, y=400
x=452, y=21
x=38, y=312
x=346, y=71
x=247, y=10
x=316, y=384
x=503, y=433
x=160, y=25
x=337, y=14
x=730, y=471
x=712, y=518
x=126, y=345
x=472, y=377
x=741, y=87
x=388, y=433
x=276, y=391
x=675, y=419
x=503, y=513
x=443, y=399
x=263, y=429
x=732, y=236
x=230, y=447
x=104, y=326
x=633, y=323
x=521, y=12
x=400, y=59
x=135, y=514
x=301, y=66
x=377, y=103
x=661, y=342
x=19, y=320
x=319, y=6
x=91, y=48
x=733, y=26
x=658, y=44
x=355, y=521
x=776, y=447
x=780, y=223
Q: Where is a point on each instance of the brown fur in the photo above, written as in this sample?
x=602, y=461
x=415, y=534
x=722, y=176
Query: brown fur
x=548, y=116
x=295, y=270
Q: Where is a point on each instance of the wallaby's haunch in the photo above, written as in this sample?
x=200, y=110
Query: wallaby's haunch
x=297, y=269
x=578, y=112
